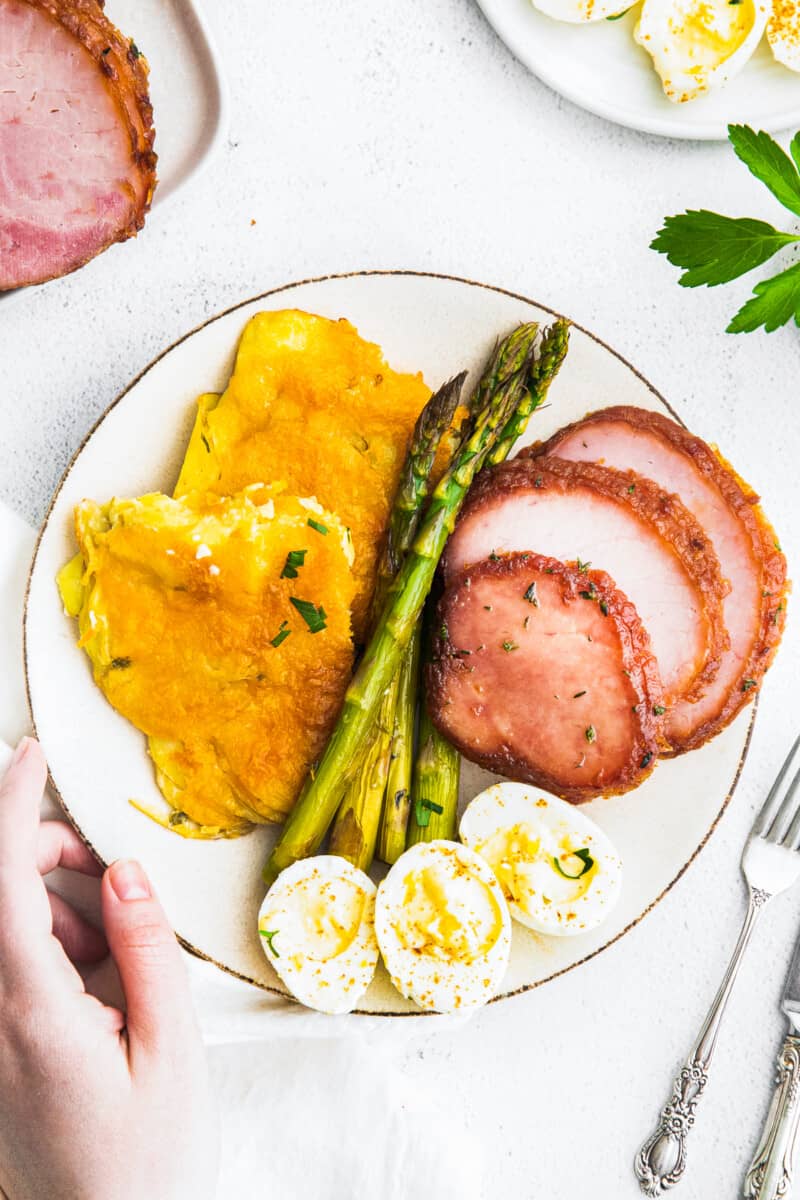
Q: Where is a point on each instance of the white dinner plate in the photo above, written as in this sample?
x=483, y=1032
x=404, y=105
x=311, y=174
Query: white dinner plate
x=600, y=67
x=212, y=890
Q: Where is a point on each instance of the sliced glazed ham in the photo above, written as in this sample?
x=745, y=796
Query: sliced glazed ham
x=745, y=543
x=532, y=681
x=77, y=166
x=650, y=545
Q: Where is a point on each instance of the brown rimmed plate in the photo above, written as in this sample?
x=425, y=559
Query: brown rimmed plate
x=212, y=891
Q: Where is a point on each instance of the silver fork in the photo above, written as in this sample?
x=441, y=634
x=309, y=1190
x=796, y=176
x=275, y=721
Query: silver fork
x=770, y=865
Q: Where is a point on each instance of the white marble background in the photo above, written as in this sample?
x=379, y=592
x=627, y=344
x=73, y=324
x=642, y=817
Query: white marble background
x=403, y=134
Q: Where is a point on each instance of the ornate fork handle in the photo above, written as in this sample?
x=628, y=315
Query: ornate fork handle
x=661, y=1161
x=772, y=1168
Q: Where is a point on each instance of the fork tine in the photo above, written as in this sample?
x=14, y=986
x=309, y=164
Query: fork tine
x=772, y=805
x=791, y=838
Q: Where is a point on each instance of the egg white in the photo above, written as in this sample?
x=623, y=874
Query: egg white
x=783, y=33
x=578, y=12
x=443, y=927
x=521, y=833
x=698, y=45
x=317, y=929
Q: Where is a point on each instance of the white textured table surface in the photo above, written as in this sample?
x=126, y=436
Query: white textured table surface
x=404, y=135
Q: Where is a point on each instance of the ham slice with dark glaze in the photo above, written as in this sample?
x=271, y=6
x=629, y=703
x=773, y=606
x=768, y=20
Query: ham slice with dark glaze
x=77, y=167
x=650, y=545
x=728, y=511
x=532, y=680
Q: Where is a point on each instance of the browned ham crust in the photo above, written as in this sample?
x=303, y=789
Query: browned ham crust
x=42, y=233
x=746, y=543
x=543, y=672
x=534, y=504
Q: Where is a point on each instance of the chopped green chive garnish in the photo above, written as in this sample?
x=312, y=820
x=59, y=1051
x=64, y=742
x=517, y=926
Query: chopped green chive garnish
x=632, y=488
x=423, y=809
x=281, y=635
x=320, y=528
x=604, y=608
x=530, y=595
x=443, y=630
x=583, y=567
x=269, y=934
x=487, y=607
x=294, y=560
x=747, y=684
x=205, y=442
x=314, y=617
x=659, y=710
x=119, y=664
x=586, y=859
x=494, y=557
x=509, y=646
x=591, y=734
x=578, y=695
x=646, y=760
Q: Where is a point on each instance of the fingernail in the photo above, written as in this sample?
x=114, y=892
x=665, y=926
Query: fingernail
x=128, y=880
x=23, y=746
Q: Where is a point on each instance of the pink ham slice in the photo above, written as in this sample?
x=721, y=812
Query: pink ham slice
x=650, y=545
x=534, y=682
x=745, y=543
x=77, y=167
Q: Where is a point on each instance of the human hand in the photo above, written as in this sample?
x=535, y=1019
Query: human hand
x=96, y=1105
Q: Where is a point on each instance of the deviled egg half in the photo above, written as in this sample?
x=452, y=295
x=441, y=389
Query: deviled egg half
x=443, y=927
x=697, y=45
x=317, y=928
x=559, y=872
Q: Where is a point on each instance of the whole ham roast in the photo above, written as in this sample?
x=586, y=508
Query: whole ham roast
x=77, y=165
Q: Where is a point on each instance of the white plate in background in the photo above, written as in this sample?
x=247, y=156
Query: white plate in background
x=187, y=89
x=212, y=890
x=599, y=67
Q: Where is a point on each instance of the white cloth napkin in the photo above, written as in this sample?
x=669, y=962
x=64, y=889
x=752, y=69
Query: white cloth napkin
x=315, y=1106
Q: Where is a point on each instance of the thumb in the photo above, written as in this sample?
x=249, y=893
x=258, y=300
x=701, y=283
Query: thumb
x=147, y=956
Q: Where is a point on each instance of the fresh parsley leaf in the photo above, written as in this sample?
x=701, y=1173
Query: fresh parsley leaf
x=590, y=734
x=794, y=149
x=770, y=164
x=775, y=301
x=294, y=560
x=314, y=617
x=530, y=595
x=714, y=249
